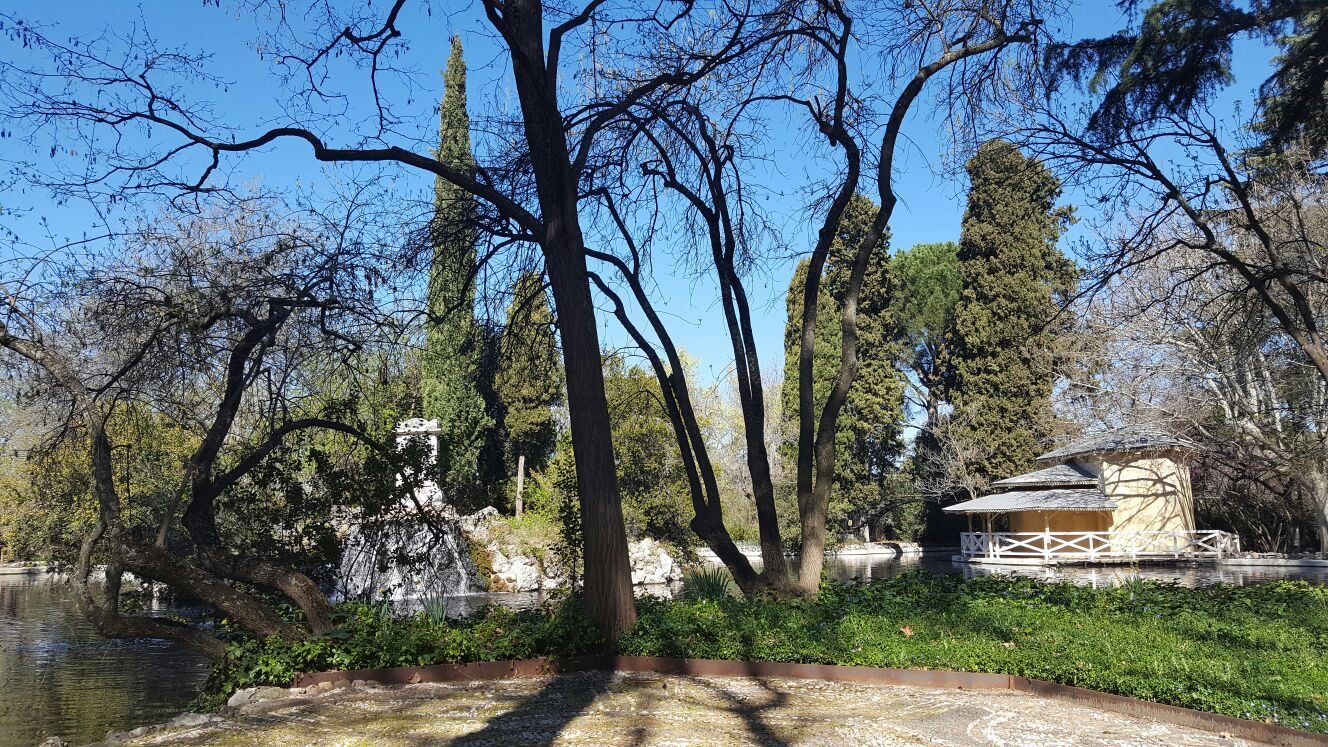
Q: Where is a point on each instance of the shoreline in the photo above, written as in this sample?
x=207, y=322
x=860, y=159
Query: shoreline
x=870, y=549
x=26, y=568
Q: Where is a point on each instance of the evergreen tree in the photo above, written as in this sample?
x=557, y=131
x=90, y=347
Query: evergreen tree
x=825, y=355
x=868, y=442
x=451, y=367
x=1013, y=277
x=529, y=379
x=1180, y=54
x=924, y=292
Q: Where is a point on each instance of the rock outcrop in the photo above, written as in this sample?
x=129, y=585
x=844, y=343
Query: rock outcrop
x=524, y=568
x=652, y=564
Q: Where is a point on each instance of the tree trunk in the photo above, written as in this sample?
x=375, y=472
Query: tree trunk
x=1317, y=482
x=813, y=515
x=752, y=393
x=608, y=578
x=200, y=521
x=708, y=516
x=520, y=482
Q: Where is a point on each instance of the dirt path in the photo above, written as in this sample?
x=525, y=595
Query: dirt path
x=633, y=710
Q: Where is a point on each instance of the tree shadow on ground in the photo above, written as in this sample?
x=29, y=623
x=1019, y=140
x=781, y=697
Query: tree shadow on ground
x=752, y=713
x=539, y=718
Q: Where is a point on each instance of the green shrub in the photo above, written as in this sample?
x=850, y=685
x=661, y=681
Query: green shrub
x=1257, y=652
x=706, y=583
x=367, y=636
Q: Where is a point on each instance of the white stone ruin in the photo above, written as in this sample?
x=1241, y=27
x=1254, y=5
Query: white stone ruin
x=366, y=569
x=428, y=494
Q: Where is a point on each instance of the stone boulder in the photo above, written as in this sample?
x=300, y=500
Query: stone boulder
x=652, y=564
x=514, y=569
x=476, y=523
x=251, y=695
x=517, y=573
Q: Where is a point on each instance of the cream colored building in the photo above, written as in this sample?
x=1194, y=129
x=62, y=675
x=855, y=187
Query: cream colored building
x=1121, y=495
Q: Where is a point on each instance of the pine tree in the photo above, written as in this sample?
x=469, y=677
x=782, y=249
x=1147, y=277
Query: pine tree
x=451, y=366
x=924, y=292
x=1012, y=275
x=925, y=287
x=529, y=379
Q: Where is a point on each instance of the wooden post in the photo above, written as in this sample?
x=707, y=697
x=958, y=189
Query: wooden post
x=520, y=481
x=1046, y=535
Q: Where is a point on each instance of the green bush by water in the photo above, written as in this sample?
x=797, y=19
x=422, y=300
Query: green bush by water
x=369, y=636
x=1257, y=652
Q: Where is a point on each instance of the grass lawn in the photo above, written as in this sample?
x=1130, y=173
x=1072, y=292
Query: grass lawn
x=1257, y=652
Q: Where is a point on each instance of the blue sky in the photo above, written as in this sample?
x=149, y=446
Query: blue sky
x=930, y=209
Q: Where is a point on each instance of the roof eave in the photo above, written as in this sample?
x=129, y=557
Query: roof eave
x=1024, y=510
x=1072, y=484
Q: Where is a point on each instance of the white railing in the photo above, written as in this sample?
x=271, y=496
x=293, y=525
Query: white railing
x=1201, y=543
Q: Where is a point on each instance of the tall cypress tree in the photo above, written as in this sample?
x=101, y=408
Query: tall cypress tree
x=825, y=352
x=529, y=380
x=868, y=439
x=1013, y=278
x=451, y=367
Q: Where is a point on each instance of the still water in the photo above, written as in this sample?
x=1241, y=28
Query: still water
x=57, y=677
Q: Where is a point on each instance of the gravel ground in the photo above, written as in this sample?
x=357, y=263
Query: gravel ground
x=647, y=709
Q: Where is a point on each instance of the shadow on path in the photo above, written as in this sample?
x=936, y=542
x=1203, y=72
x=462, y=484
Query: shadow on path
x=753, y=713
x=541, y=717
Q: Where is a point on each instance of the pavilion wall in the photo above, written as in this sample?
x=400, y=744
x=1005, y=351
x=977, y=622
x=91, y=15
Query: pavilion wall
x=1152, y=492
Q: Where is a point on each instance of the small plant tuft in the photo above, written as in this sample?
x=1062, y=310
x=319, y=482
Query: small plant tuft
x=706, y=584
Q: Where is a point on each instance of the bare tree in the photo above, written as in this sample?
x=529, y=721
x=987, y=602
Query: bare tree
x=1184, y=341
x=210, y=322
x=694, y=150
x=642, y=69
x=106, y=90
x=1182, y=182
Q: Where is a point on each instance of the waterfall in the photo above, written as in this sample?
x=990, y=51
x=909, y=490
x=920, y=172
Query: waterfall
x=437, y=567
x=437, y=560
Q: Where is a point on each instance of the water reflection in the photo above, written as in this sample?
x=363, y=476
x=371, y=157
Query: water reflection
x=58, y=677
x=1186, y=574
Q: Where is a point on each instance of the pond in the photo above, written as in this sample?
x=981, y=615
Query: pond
x=57, y=677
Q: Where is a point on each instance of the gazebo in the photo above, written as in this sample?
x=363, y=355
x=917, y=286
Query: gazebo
x=1117, y=496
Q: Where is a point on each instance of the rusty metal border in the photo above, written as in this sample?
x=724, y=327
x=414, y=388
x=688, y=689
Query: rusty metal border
x=937, y=678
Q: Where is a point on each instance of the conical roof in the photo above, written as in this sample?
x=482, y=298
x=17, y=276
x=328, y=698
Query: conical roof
x=1129, y=438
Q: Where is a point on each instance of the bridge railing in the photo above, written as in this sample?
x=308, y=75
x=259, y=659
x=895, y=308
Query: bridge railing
x=1199, y=543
